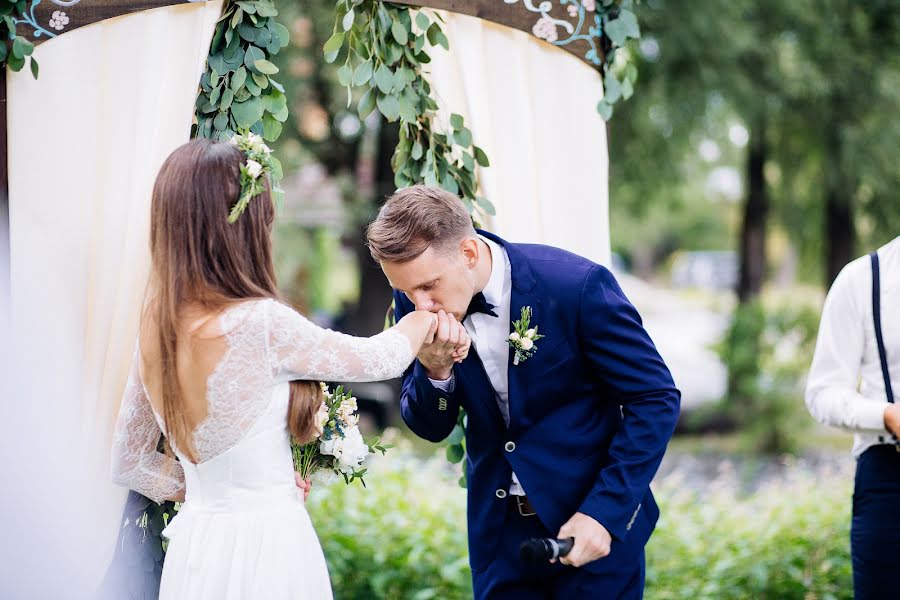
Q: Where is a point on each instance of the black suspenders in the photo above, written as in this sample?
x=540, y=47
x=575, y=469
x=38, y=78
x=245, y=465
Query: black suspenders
x=876, y=313
x=879, y=339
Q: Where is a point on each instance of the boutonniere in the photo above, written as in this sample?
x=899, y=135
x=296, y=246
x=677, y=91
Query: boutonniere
x=522, y=339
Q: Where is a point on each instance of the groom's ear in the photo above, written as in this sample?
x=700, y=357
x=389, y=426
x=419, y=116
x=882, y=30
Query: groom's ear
x=470, y=252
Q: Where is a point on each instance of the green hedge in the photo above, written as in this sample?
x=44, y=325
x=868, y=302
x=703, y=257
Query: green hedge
x=788, y=540
x=405, y=537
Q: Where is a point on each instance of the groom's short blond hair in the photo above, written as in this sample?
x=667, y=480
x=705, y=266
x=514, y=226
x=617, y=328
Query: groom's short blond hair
x=415, y=218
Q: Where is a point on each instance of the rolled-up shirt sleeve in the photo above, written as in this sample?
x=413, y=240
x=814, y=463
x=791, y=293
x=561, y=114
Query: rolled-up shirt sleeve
x=832, y=395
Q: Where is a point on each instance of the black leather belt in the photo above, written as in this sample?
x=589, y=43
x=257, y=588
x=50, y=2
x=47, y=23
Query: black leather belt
x=521, y=505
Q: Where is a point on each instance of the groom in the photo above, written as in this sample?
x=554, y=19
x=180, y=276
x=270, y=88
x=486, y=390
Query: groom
x=562, y=444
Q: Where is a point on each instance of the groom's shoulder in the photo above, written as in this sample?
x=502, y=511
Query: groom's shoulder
x=560, y=270
x=541, y=256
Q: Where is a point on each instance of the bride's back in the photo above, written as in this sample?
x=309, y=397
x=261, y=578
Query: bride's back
x=200, y=347
x=222, y=372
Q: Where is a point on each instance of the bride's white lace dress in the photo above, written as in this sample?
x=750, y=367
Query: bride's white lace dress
x=243, y=532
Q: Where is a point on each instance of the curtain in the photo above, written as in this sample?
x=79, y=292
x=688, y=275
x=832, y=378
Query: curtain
x=86, y=141
x=532, y=108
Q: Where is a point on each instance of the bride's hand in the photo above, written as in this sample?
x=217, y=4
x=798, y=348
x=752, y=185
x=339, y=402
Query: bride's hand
x=419, y=326
x=305, y=486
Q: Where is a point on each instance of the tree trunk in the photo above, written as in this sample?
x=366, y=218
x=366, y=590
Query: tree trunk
x=756, y=209
x=840, y=234
x=367, y=317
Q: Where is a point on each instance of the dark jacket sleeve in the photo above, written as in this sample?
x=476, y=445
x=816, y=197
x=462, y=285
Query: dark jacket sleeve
x=621, y=353
x=428, y=411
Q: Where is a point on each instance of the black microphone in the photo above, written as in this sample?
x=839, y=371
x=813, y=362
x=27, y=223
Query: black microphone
x=543, y=549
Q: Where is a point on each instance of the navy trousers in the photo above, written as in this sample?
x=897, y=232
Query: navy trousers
x=507, y=577
x=875, y=530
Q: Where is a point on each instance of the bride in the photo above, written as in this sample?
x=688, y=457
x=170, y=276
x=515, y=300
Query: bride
x=227, y=372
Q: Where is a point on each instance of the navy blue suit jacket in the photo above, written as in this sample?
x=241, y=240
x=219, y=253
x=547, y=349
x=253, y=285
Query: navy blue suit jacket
x=591, y=411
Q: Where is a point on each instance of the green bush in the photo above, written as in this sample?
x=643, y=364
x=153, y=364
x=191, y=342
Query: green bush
x=405, y=536
x=767, y=353
x=789, y=539
x=402, y=537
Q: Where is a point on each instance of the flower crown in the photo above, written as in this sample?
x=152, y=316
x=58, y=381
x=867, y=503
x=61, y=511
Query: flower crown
x=260, y=163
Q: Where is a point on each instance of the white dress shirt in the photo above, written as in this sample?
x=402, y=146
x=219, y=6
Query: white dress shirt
x=489, y=335
x=845, y=386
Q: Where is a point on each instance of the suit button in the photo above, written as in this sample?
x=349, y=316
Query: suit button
x=501, y=493
x=510, y=446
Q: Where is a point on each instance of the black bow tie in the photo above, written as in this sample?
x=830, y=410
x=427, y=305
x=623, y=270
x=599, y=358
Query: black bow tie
x=480, y=305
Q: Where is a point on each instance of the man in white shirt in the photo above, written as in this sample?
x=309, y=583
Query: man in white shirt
x=853, y=384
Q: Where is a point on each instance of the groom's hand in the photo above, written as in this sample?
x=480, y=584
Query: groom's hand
x=449, y=345
x=592, y=540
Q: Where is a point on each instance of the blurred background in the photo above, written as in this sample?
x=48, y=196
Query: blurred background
x=757, y=156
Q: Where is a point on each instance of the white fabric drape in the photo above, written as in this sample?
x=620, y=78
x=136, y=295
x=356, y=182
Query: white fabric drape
x=86, y=141
x=532, y=108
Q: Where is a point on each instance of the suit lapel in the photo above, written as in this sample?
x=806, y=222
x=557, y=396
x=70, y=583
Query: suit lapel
x=522, y=295
x=472, y=370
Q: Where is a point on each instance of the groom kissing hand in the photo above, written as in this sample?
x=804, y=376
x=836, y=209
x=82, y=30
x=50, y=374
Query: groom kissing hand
x=569, y=405
x=447, y=346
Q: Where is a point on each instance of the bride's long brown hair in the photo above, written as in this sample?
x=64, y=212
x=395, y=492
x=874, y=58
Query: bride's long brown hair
x=200, y=259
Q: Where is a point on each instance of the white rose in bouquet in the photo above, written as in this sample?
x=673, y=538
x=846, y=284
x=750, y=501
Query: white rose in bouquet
x=353, y=452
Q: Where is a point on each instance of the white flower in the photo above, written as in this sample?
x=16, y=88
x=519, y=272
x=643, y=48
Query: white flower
x=513, y=337
x=58, y=20
x=350, y=450
x=256, y=143
x=527, y=344
x=354, y=450
x=346, y=412
x=321, y=420
x=530, y=334
x=333, y=447
x=253, y=168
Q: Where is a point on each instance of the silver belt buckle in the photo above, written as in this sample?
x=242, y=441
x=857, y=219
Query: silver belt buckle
x=521, y=507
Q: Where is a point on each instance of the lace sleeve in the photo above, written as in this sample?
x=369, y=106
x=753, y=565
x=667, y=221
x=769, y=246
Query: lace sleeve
x=136, y=463
x=299, y=349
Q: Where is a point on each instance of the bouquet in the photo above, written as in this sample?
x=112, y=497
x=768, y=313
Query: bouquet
x=339, y=447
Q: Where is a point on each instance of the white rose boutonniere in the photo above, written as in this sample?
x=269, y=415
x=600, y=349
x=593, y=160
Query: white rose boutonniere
x=522, y=339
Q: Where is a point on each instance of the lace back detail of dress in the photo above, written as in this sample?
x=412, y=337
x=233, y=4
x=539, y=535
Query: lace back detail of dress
x=267, y=344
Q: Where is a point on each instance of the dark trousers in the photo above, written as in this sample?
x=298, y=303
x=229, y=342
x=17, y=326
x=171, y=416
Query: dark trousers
x=507, y=577
x=875, y=531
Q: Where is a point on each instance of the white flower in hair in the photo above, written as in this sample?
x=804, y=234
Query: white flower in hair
x=254, y=169
x=259, y=167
